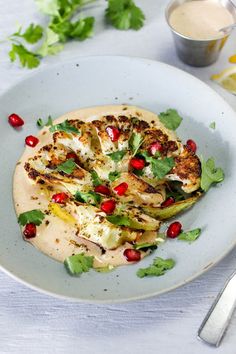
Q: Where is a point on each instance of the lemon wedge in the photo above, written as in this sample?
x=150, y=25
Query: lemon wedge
x=232, y=59
x=226, y=79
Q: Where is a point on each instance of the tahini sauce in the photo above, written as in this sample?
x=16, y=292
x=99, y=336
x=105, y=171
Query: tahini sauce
x=201, y=19
x=55, y=237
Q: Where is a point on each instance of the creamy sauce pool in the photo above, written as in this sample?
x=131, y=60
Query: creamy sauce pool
x=201, y=19
x=55, y=237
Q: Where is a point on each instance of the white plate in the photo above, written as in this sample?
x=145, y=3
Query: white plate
x=114, y=80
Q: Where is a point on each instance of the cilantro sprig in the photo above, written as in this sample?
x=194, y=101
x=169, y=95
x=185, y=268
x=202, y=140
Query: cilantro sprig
x=64, y=127
x=40, y=122
x=120, y=220
x=124, y=14
x=157, y=268
x=27, y=59
x=78, y=264
x=160, y=167
x=95, y=178
x=117, y=156
x=210, y=173
x=171, y=119
x=63, y=25
x=67, y=167
x=34, y=216
x=31, y=35
x=88, y=197
x=190, y=236
x=135, y=142
x=114, y=175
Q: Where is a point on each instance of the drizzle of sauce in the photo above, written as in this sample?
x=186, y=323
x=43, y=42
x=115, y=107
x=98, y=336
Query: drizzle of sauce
x=201, y=19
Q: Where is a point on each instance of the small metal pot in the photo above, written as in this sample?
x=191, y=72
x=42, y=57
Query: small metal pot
x=198, y=52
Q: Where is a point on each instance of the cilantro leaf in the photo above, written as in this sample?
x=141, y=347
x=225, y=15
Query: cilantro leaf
x=117, y=156
x=124, y=14
x=27, y=59
x=160, y=168
x=135, y=142
x=157, y=268
x=212, y=125
x=51, y=45
x=190, y=235
x=171, y=119
x=113, y=176
x=64, y=127
x=48, y=7
x=32, y=34
x=146, y=245
x=40, y=122
x=138, y=173
x=119, y=220
x=67, y=167
x=82, y=29
x=88, y=197
x=35, y=216
x=79, y=263
x=79, y=30
x=95, y=178
x=210, y=173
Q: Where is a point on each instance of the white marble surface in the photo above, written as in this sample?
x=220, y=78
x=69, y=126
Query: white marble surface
x=31, y=322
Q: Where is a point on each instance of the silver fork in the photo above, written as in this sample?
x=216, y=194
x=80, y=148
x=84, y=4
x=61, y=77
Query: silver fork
x=218, y=317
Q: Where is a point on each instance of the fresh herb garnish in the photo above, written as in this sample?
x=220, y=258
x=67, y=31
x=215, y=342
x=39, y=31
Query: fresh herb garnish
x=119, y=220
x=124, y=14
x=67, y=167
x=145, y=246
x=64, y=127
x=95, y=178
x=31, y=35
x=27, y=59
x=63, y=26
x=190, y=235
x=41, y=124
x=210, y=173
x=157, y=268
x=160, y=168
x=117, y=156
x=171, y=119
x=135, y=142
x=114, y=175
x=88, y=197
x=138, y=173
x=50, y=45
x=79, y=263
x=212, y=125
x=35, y=216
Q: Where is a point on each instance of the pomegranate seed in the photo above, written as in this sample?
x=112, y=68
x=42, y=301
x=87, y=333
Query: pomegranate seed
x=30, y=230
x=168, y=202
x=60, y=198
x=191, y=145
x=31, y=140
x=155, y=147
x=102, y=189
x=132, y=255
x=121, y=188
x=108, y=206
x=15, y=120
x=174, y=229
x=137, y=163
x=113, y=133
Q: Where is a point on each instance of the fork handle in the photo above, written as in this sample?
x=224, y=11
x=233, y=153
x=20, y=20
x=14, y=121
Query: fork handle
x=217, y=319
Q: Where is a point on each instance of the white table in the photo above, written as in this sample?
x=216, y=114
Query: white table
x=34, y=323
